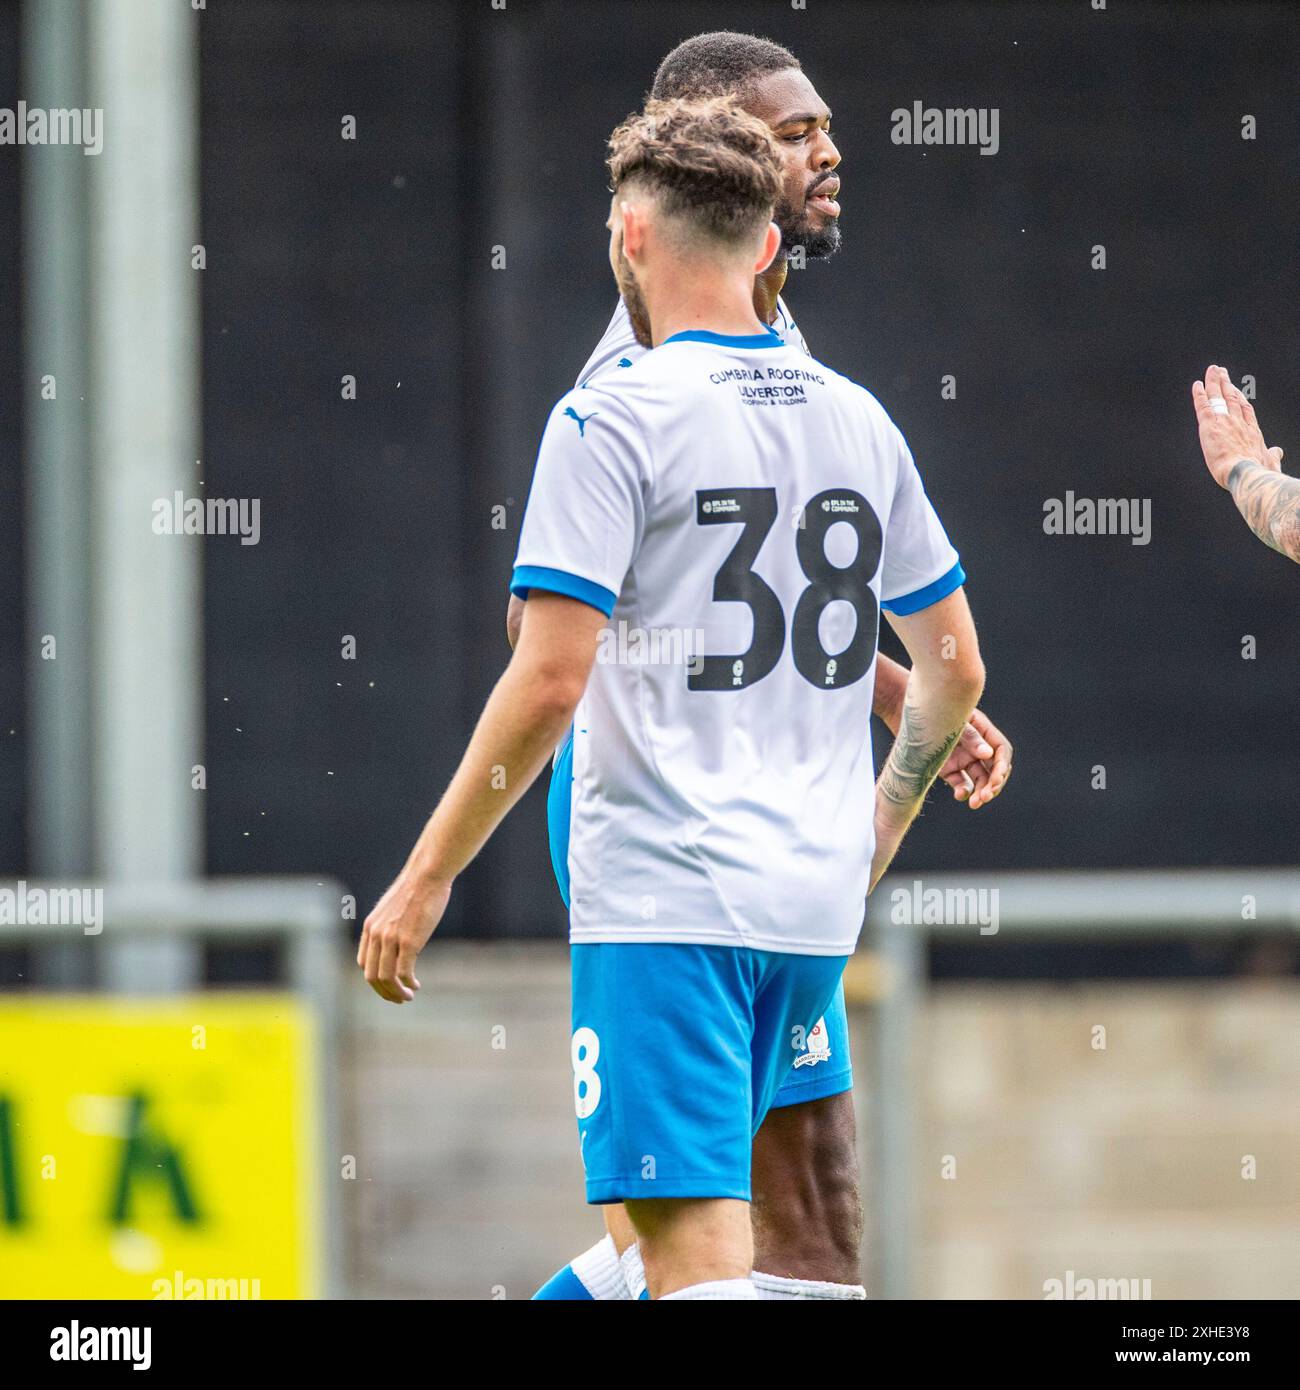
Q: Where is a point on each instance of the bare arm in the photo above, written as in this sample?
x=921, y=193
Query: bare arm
x=1270, y=503
x=945, y=683
x=891, y=686
x=979, y=765
x=514, y=620
x=525, y=717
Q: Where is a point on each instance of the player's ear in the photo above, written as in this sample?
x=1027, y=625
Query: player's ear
x=771, y=245
x=633, y=220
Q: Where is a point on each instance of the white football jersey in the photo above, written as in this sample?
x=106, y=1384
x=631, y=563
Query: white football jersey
x=741, y=512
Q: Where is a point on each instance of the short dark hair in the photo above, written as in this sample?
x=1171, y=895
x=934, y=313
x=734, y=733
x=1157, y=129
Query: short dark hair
x=718, y=64
x=709, y=163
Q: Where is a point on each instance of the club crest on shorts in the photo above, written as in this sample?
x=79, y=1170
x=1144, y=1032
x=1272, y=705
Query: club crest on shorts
x=818, y=1047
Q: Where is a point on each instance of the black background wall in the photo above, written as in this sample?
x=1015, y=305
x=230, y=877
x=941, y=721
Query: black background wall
x=478, y=128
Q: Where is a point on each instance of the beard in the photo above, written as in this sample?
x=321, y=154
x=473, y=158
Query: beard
x=637, y=312
x=819, y=243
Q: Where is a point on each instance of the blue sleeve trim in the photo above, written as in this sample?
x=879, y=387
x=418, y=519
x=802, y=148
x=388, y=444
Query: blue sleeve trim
x=528, y=577
x=923, y=598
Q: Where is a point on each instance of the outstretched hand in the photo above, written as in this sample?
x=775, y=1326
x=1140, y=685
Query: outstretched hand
x=1229, y=432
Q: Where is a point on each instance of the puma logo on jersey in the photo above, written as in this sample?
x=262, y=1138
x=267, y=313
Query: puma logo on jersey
x=581, y=419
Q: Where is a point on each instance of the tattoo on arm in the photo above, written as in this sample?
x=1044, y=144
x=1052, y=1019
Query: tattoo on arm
x=915, y=759
x=1270, y=503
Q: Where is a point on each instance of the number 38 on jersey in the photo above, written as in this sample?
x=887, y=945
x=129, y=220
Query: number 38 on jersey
x=754, y=510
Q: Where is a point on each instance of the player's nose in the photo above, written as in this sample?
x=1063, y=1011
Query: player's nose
x=824, y=154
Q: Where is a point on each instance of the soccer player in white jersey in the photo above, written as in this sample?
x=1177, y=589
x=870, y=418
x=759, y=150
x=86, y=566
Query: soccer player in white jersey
x=726, y=821
x=807, y=1211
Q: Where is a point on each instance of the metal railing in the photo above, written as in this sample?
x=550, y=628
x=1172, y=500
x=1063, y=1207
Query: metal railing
x=1085, y=904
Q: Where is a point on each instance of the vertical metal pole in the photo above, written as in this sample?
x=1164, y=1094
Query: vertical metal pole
x=113, y=330
x=892, y=1107
x=315, y=976
x=146, y=595
x=57, y=447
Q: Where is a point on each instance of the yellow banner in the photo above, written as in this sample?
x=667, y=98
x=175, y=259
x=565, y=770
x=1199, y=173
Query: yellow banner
x=158, y=1148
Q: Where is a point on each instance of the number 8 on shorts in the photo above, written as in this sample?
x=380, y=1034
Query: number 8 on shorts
x=584, y=1053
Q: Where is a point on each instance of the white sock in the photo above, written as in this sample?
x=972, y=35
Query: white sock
x=633, y=1271
x=775, y=1286
x=717, y=1288
x=600, y=1271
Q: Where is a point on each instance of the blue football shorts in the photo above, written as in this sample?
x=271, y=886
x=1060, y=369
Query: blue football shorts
x=822, y=1067
x=678, y=1052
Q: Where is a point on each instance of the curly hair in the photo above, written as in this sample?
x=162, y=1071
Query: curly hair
x=710, y=164
x=717, y=64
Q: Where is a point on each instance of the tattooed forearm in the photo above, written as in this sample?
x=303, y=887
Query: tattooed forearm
x=915, y=759
x=1270, y=503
